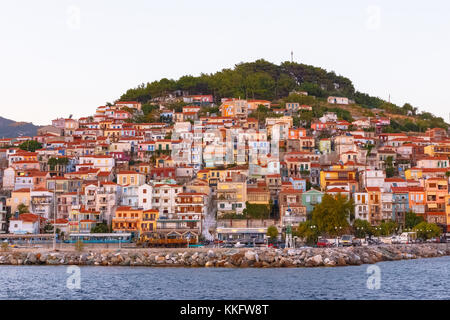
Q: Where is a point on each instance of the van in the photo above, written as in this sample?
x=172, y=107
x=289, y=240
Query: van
x=407, y=237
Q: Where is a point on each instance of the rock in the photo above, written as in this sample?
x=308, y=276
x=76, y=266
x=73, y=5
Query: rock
x=31, y=257
x=211, y=254
x=251, y=255
x=329, y=263
x=318, y=260
x=228, y=265
x=209, y=264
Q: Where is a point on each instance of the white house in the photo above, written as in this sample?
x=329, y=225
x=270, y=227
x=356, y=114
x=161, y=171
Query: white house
x=338, y=100
x=25, y=223
x=145, y=196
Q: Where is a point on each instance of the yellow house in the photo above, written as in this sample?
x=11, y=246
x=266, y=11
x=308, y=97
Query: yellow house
x=132, y=178
x=337, y=175
x=20, y=196
x=441, y=149
x=237, y=189
x=148, y=223
x=413, y=174
x=213, y=175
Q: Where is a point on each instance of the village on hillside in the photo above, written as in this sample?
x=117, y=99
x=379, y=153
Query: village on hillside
x=240, y=170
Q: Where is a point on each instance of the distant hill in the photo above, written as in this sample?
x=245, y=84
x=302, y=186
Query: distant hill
x=12, y=129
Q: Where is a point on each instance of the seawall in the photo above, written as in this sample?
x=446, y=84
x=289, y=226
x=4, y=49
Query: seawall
x=231, y=258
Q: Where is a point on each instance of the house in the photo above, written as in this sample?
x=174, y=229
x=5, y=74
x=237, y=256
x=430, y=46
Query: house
x=258, y=195
x=375, y=213
x=361, y=200
x=310, y=198
x=164, y=199
x=338, y=100
x=145, y=193
x=231, y=197
x=128, y=104
x=436, y=189
x=400, y=204
x=292, y=211
x=18, y=197
x=26, y=223
x=130, y=178
x=417, y=200
x=3, y=214
x=128, y=220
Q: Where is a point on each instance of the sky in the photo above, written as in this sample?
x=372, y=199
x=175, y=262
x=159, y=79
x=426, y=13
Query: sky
x=61, y=57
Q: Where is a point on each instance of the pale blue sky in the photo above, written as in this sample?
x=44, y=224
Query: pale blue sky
x=51, y=65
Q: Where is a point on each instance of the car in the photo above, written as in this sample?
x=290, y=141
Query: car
x=373, y=241
x=324, y=243
x=346, y=240
x=356, y=242
x=395, y=240
x=227, y=245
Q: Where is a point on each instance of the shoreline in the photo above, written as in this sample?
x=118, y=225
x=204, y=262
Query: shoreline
x=226, y=258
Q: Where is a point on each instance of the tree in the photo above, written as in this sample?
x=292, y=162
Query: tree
x=332, y=214
x=100, y=228
x=22, y=208
x=412, y=220
x=30, y=145
x=256, y=211
x=48, y=228
x=390, y=172
x=427, y=230
x=308, y=231
x=361, y=228
x=388, y=228
x=272, y=232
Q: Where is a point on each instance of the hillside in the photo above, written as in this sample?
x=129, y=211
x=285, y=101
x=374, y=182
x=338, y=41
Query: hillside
x=10, y=128
x=264, y=80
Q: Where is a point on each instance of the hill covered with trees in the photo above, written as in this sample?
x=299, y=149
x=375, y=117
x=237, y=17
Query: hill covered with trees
x=264, y=80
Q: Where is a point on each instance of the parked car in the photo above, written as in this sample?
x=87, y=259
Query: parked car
x=324, y=243
x=374, y=241
x=356, y=242
x=346, y=240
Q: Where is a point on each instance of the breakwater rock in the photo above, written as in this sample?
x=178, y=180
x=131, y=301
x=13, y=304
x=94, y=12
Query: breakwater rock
x=228, y=258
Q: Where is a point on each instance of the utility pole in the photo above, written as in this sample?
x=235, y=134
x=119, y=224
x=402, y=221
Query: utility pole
x=54, y=217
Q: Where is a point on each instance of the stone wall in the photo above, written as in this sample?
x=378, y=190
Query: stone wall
x=231, y=258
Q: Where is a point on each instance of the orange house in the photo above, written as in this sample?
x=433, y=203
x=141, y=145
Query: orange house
x=375, y=215
x=436, y=191
x=297, y=133
x=127, y=219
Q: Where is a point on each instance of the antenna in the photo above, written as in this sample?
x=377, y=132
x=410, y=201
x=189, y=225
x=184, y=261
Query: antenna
x=292, y=56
